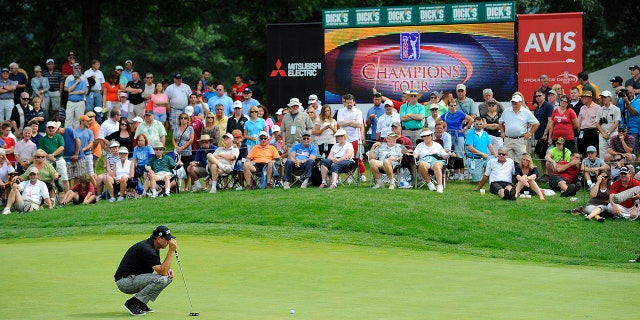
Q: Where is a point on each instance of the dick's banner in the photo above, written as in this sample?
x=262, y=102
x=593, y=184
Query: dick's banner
x=295, y=63
x=549, y=44
x=424, y=47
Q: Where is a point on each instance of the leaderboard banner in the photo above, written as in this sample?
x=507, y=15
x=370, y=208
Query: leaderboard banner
x=549, y=44
x=295, y=63
x=425, y=48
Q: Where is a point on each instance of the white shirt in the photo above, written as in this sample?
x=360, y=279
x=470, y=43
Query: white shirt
x=108, y=127
x=384, y=124
x=344, y=114
x=497, y=171
x=515, y=124
x=123, y=169
x=99, y=77
x=34, y=192
x=423, y=150
x=178, y=96
x=340, y=151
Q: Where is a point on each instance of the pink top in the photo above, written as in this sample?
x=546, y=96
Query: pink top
x=162, y=98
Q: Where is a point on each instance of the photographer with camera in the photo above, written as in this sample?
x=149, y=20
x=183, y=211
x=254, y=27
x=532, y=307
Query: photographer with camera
x=629, y=105
x=608, y=120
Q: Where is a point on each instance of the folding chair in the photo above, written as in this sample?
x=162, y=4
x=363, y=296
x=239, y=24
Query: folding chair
x=419, y=181
x=258, y=178
x=231, y=180
x=351, y=173
x=176, y=178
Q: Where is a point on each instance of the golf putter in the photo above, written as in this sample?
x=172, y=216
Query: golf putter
x=191, y=313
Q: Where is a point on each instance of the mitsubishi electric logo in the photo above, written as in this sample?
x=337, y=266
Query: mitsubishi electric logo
x=277, y=71
x=296, y=69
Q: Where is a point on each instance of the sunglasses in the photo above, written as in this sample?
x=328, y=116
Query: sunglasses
x=183, y=118
x=149, y=77
x=605, y=177
x=539, y=96
x=453, y=105
x=39, y=157
x=502, y=154
x=160, y=149
x=565, y=101
x=33, y=174
x=37, y=71
x=306, y=138
x=219, y=89
x=434, y=97
x=263, y=139
x=254, y=111
x=209, y=117
x=24, y=99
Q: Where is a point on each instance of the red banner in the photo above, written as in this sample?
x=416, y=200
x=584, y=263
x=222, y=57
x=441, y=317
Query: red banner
x=549, y=44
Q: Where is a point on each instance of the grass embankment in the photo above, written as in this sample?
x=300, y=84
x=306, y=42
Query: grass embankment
x=458, y=221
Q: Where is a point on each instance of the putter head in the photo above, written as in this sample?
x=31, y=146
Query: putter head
x=194, y=314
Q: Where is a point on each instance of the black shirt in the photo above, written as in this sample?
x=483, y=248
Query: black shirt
x=139, y=259
x=136, y=98
x=233, y=124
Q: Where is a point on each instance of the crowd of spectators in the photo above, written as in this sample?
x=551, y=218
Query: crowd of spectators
x=59, y=126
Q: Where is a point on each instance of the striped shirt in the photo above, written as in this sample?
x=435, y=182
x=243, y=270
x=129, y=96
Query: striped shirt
x=55, y=79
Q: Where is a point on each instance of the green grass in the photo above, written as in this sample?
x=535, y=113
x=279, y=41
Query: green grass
x=459, y=221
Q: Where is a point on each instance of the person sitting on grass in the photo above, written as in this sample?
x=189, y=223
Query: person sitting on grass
x=261, y=156
x=110, y=160
x=591, y=165
x=627, y=209
x=82, y=192
x=340, y=157
x=28, y=195
x=46, y=172
x=526, y=175
x=198, y=167
x=121, y=175
x=159, y=168
x=553, y=156
x=386, y=156
x=222, y=160
x=301, y=155
x=599, y=202
x=500, y=173
x=565, y=178
x=431, y=156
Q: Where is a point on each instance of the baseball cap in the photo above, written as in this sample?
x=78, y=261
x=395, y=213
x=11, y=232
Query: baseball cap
x=5, y=69
x=560, y=140
x=148, y=113
x=395, y=124
x=189, y=110
x=306, y=133
x=136, y=119
x=263, y=133
x=592, y=149
x=392, y=134
x=275, y=129
x=178, y=76
x=388, y=102
x=635, y=66
x=516, y=98
x=605, y=93
x=228, y=136
x=163, y=232
x=433, y=107
x=624, y=170
x=90, y=114
x=617, y=79
x=50, y=60
x=237, y=104
x=128, y=61
x=461, y=87
x=123, y=94
x=492, y=100
x=71, y=53
x=114, y=143
x=313, y=98
x=279, y=111
x=247, y=90
x=427, y=132
x=33, y=170
x=123, y=149
x=622, y=127
x=84, y=117
x=119, y=68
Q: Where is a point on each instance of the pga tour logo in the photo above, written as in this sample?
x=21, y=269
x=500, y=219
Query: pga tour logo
x=409, y=46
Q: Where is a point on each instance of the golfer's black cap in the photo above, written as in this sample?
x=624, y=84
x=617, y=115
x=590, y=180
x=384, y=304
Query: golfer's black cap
x=164, y=232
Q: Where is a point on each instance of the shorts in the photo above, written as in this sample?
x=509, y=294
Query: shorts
x=554, y=180
x=495, y=186
x=22, y=205
x=76, y=169
x=61, y=169
x=590, y=208
x=88, y=164
x=430, y=160
x=201, y=172
x=162, y=117
x=160, y=175
x=476, y=167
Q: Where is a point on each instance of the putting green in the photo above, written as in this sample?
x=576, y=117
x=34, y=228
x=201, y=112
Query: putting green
x=240, y=278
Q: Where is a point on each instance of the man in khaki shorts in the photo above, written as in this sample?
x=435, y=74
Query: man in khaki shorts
x=28, y=195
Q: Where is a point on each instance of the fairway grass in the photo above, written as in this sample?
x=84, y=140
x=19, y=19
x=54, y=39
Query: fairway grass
x=248, y=278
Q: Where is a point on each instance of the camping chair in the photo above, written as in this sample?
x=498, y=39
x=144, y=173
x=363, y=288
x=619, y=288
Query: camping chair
x=232, y=179
x=419, y=181
x=351, y=173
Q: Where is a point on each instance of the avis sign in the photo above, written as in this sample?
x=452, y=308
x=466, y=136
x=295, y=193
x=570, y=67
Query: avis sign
x=549, y=44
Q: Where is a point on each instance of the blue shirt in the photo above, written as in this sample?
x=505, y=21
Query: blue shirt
x=378, y=111
x=224, y=100
x=246, y=105
x=201, y=155
x=303, y=153
x=454, y=120
x=69, y=135
x=85, y=136
x=542, y=113
x=633, y=122
x=479, y=142
x=253, y=129
x=142, y=155
x=81, y=86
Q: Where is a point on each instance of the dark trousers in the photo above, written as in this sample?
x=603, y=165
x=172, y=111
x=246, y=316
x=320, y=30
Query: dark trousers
x=586, y=138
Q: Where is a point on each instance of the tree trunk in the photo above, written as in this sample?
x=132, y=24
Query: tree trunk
x=90, y=31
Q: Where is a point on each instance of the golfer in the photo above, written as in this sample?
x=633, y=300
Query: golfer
x=141, y=273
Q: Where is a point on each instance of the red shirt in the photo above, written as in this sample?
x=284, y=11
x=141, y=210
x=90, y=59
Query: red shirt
x=67, y=70
x=8, y=144
x=617, y=187
x=239, y=90
x=571, y=174
x=563, y=124
x=82, y=190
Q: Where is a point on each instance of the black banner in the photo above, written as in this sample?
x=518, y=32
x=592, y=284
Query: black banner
x=295, y=63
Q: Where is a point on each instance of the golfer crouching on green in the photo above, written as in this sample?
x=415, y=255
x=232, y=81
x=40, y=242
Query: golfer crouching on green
x=141, y=273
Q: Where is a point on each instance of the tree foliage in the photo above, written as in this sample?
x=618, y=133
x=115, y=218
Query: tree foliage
x=230, y=37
